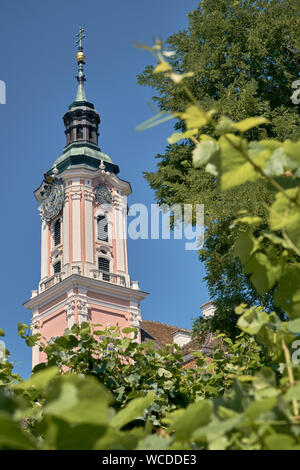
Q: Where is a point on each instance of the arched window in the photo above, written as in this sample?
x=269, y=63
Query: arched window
x=57, y=267
x=102, y=228
x=90, y=133
x=79, y=132
x=56, y=233
x=103, y=265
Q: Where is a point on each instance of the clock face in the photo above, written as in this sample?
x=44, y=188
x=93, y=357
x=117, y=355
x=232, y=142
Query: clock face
x=52, y=202
x=103, y=194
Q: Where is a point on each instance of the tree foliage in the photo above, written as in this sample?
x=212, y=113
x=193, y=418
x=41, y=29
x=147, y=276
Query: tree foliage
x=244, y=57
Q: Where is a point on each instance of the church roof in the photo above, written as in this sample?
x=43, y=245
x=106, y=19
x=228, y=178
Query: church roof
x=160, y=333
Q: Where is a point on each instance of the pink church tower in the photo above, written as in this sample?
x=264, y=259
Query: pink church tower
x=83, y=207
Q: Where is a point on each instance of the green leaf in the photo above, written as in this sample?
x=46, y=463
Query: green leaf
x=132, y=411
x=125, y=343
x=287, y=293
x=204, y=151
x=69, y=436
x=219, y=444
x=129, y=330
x=277, y=240
x=245, y=246
x=194, y=117
x=281, y=442
x=38, y=380
x=212, y=169
x=285, y=215
x=256, y=408
x=2, y=332
x=178, y=77
x=250, y=221
x=253, y=320
x=265, y=379
x=164, y=372
x=266, y=270
x=292, y=149
x=224, y=126
x=78, y=399
x=67, y=341
x=235, y=169
x=293, y=326
x=293, y=392
x=195, y=415
x=162, y=67
x=279, y=163
x=181, y=135
x=216, y=429
x=11, y=436
x=155, y=120
x=114, y=439
x=270, y=144
x=249, y=123
x=154, y=442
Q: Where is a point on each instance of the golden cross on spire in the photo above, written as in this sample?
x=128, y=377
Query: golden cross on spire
x=80, y=36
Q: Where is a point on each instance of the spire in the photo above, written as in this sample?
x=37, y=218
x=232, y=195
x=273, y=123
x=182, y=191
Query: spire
x=80, y=57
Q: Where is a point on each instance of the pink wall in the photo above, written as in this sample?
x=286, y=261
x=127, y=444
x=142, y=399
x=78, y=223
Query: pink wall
x=108, y=298
x=52, y=326
x=109, y=316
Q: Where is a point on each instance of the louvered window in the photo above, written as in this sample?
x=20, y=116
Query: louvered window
x=57, y=232
x=79, y=133
x=57, y=267
x=103, y=265
x=102, y=228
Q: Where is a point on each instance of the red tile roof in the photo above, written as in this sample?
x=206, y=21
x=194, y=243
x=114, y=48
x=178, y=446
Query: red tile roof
x=162, y=334
x=158, y=332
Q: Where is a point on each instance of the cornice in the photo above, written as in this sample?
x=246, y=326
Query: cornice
x=77, y=281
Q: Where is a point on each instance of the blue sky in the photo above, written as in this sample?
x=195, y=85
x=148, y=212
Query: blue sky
x=38, y=66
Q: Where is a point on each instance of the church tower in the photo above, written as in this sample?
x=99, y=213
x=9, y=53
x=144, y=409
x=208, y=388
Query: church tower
x=83, y=207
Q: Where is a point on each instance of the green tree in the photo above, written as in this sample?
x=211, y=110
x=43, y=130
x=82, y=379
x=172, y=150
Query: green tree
x=244, y=56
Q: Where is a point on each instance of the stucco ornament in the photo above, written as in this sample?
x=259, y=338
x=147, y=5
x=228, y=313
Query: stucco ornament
x=52, y=200
x=103, y=194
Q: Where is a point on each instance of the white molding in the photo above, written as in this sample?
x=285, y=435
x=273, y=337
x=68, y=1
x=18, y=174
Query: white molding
x=85, y=172
x=55, y=308
x=75, y=281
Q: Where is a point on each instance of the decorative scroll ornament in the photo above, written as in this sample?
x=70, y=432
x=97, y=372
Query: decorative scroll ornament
x=52, y=201
x=103, y=194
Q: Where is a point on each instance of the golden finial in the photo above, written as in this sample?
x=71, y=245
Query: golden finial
x=80, y=57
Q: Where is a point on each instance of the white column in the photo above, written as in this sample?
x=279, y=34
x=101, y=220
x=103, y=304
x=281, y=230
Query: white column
x=82, y=305
x=76, y=222
x=135, y=316
x=89, y=224
x=44, y=250
x=35, y=329
x=120, y=234
x=66, y=219
x=70, y=308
